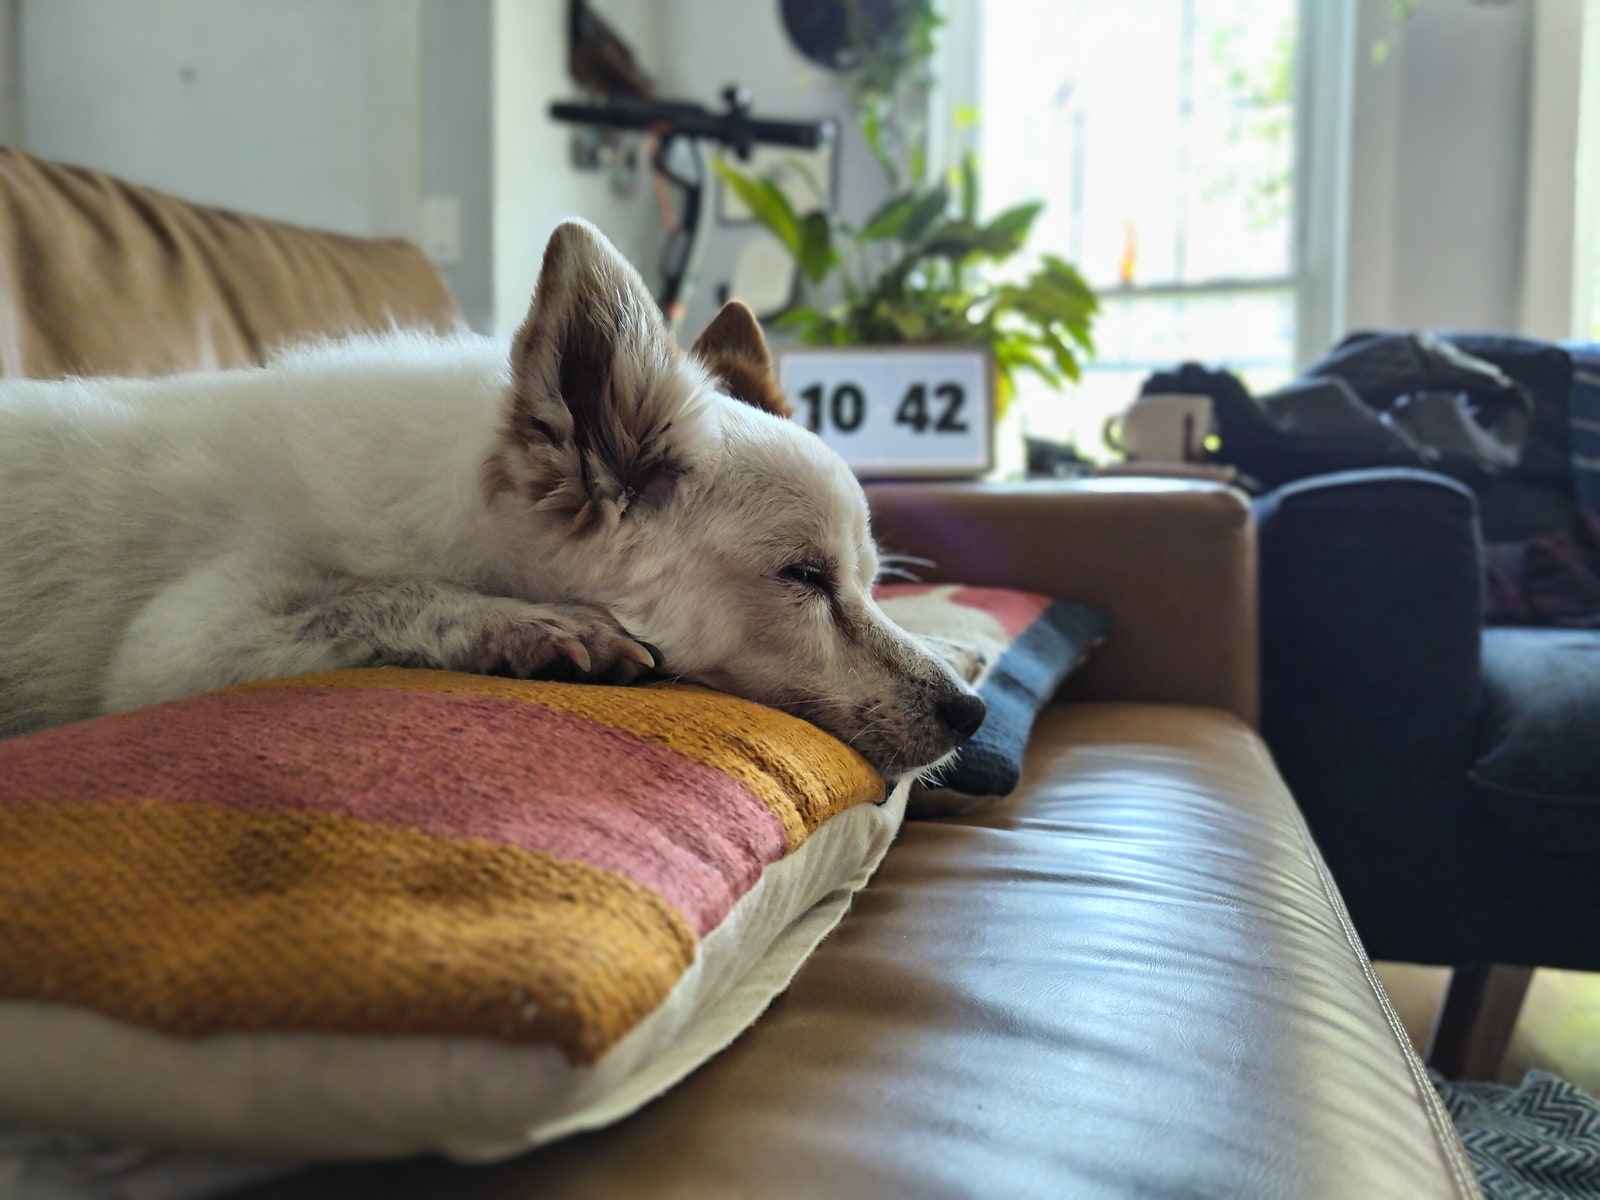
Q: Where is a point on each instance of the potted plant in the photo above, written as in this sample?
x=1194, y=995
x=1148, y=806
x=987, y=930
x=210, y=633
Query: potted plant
x=923, y=269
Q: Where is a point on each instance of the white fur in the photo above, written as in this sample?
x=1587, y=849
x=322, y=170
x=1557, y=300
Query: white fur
x=376, y=501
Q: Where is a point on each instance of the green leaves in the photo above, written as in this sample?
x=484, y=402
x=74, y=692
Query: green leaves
x=766, y=201
x=870, y=121
x=968, y=182
x=905, y=276
x=888, y=219
x=961, y=240
x=921, y=267
x=920, y=221
x=906, y=217
x=1006, y=234
x=809, y=238
x=816, y=255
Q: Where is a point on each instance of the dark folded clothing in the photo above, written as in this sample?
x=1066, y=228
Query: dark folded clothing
x=1549, y=580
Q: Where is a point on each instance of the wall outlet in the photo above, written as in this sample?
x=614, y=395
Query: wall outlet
x=441, y=229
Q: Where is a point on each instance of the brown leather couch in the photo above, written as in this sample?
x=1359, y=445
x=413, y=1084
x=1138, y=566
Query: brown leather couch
x=1135, y=977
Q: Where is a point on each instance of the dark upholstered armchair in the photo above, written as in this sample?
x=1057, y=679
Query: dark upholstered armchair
x=1450, y=773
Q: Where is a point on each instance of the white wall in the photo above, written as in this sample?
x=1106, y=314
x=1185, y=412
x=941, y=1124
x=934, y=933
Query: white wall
x=304, y=110
x=534, y=185
x=1546, y=287
x=340, y=115
x=458, y=141
x=1438, y=167
x=345, y=113
x=10, y=76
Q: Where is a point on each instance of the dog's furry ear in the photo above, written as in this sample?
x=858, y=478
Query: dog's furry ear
x=733, y=349
x=604, y=409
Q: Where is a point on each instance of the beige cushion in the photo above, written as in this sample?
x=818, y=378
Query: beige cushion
x=101, y=277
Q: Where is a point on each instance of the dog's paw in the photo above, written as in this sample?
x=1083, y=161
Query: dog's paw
x=554, y=642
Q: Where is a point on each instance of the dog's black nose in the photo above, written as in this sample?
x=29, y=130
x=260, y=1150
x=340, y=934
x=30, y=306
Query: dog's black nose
x=963, y=712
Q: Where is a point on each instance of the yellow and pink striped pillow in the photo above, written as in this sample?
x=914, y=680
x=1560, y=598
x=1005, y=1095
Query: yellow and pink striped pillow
x=391, y=911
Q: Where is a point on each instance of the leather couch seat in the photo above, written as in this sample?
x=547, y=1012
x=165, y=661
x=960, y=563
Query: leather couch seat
x=1134, y=978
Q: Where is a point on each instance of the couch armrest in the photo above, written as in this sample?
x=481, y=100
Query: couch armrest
x=1171, y=563
x=1372, y=612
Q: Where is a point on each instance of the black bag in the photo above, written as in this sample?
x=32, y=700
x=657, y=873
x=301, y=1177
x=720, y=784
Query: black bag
x=1378, y=400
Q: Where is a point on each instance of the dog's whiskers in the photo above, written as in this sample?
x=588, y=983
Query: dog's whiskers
x=869, y=727
x=891, y=565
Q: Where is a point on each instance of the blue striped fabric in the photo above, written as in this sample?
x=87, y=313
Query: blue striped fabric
x=1586, y=424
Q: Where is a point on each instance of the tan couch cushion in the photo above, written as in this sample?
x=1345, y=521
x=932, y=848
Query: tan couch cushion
x=101, y=277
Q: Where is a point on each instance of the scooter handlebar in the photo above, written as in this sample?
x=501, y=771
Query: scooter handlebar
x=734, y=128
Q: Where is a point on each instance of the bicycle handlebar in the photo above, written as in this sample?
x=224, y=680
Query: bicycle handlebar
x=734, y=128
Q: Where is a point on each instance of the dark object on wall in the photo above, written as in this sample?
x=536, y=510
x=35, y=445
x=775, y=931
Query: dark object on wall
x=821, y=29
x=733, y=127
x=598, y=59
x=673, y=122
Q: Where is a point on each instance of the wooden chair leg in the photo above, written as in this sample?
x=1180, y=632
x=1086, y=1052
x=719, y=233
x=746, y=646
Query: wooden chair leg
x=1476, y=1019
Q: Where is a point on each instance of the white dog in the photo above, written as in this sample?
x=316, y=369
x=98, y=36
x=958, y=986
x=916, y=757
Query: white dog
x=589, y=506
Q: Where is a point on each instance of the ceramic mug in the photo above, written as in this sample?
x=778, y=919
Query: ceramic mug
x=1163, y=427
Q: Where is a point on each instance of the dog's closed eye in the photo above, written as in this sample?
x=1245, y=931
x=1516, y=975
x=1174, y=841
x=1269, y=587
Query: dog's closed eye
x=807, y=575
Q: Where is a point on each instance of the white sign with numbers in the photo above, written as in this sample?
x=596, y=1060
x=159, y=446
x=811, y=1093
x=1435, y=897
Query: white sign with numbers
x=893, y=412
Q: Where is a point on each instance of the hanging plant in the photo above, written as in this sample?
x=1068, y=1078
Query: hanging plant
x=922, y=268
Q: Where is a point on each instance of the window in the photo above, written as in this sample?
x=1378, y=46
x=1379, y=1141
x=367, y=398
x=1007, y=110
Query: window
x=1162, y=136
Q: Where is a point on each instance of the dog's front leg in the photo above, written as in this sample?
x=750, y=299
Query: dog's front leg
x=223, y=625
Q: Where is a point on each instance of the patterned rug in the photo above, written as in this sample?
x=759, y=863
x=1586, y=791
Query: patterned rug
x=1537, y=1141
